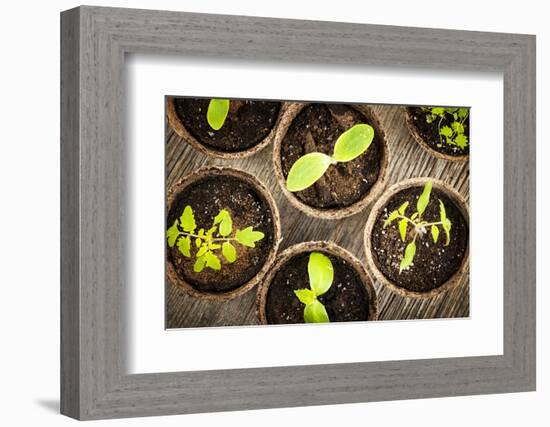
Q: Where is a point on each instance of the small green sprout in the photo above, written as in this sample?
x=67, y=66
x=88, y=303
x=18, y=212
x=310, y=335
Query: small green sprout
x=451, y=135
x=182, y=233
x=217, y=113
x=321, y=275
x=312, y=166
x=419, y=225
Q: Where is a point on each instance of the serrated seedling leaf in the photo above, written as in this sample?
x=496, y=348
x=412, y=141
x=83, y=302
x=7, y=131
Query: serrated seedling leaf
x=424, y=198
x=410, y=251
x=461, y=141
x=184, y=246
x=306, y=296
x=229, y=252
x=463, y=112
x=307, y=170
x=315, y=313
x=446, y=131
x=212, y=261
x=172, y=234
x=248, y=237
x=435, y=232
x=211, y=231
x=187, y=220
x=454, y=134
x=403, y=228
x=216, y=238
x=200, y=262
x=203, y=249
x=217, y=113
x=392, y=216
x=321, y=273
x=403, y=208
x=353, y=142
x=457, y=127
x=225, y=223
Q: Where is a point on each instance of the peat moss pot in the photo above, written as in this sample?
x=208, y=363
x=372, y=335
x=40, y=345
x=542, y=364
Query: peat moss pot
x=416, y=237
x=442, y=132
x=350, y=297
x=346, y=186
x=223, y=232
x=246, y=128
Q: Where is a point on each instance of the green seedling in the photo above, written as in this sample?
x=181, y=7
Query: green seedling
x=451, y=135
x=418, y=224
x=312, y=166
x=205, y=243
x=321, y=275
x=217, y=113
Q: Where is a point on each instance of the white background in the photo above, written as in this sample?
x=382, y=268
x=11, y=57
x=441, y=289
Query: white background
x=29, y=176
x=152, y=349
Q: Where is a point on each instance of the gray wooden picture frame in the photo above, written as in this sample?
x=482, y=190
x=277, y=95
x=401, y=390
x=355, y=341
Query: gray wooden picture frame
x=94, y=381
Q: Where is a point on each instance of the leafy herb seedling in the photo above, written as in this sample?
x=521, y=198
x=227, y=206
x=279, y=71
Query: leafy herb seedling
x=451, y=135
x=182, y=233
x=312, y=166
x=419, y=225
x=217, y=113
x=321, y=275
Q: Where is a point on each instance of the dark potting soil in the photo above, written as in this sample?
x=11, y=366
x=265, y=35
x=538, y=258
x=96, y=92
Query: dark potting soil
x=434, y=263
x=247, y=123
x=347, y=299
x=316, y=128
x=429, y=132
x=247, y=208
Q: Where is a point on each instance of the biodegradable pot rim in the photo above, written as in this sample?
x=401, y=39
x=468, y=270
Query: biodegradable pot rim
x=320, y=246
x=333, y=213
x=177, y=126
x=209, y=171
x=420, y=141
x=460, y=203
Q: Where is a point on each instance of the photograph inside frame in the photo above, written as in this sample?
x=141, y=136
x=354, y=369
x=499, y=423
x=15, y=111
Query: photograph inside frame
x=283, y=212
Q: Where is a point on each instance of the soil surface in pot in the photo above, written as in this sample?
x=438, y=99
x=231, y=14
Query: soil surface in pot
x=346, y=300
x=434, y=263
x=246, y=125
x=316, y=128
x=429, y=132
x=247, y=207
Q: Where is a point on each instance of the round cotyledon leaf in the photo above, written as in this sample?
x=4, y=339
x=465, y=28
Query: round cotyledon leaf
x=307, y=170
x=306, y=296
x=217, y=113
x=353, y=142
x=321, y=273
x=316, y=313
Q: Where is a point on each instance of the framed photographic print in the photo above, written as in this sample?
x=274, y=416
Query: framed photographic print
x=328, y=162
x=283, y=213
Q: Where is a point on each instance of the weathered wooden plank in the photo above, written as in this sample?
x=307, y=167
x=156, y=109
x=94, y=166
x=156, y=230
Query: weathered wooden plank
x=407, y=160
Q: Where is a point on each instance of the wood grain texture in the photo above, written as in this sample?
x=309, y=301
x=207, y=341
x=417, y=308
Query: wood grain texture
x=70, y=221
x=94, y=202
x=407, y=159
